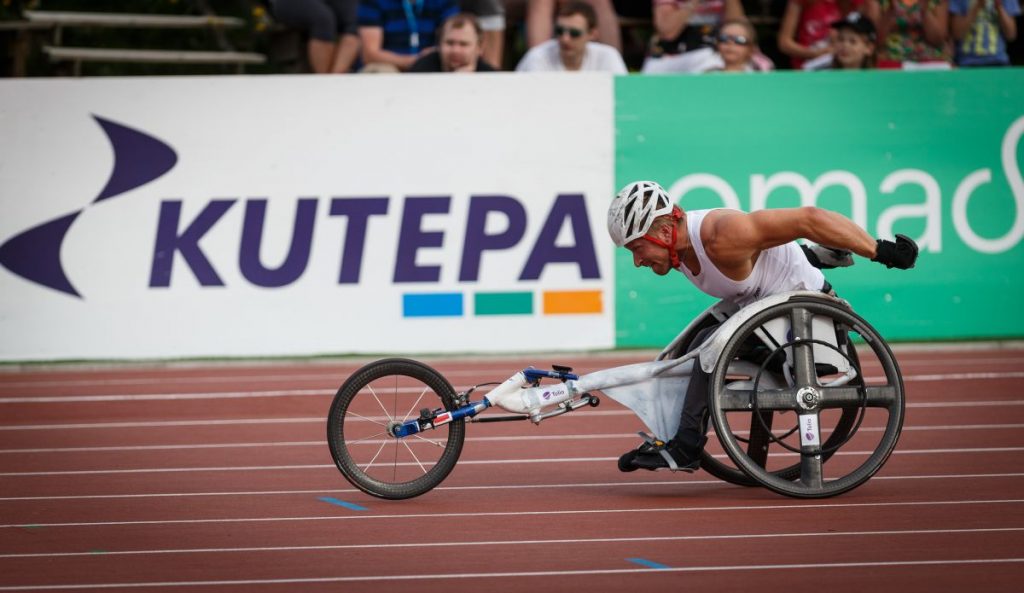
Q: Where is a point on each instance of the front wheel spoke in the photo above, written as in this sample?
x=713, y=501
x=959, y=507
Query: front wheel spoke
x=416, y=403
x=883, y=396
x=357, y=441
x=435, y=443
x=380, y=403
x=375, y=456
x=367, y=418
x=416, y=459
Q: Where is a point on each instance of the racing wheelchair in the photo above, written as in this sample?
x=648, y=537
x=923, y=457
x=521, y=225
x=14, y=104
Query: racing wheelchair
x=796, y=407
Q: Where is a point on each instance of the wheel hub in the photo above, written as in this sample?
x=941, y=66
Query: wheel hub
x=808, y=398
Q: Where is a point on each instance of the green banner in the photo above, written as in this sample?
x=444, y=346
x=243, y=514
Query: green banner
x=933, y=155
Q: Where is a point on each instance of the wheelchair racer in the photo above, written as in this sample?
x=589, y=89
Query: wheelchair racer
x=738, y=257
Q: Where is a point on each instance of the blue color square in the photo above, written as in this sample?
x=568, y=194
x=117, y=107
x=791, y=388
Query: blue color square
x=443, y=304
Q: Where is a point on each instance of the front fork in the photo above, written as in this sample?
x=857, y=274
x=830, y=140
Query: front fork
x=431, y=419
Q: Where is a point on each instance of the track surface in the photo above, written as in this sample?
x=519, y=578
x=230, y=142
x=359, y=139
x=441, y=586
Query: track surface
x=214, y=478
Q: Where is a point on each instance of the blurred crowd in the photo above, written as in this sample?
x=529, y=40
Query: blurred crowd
x=686, y=36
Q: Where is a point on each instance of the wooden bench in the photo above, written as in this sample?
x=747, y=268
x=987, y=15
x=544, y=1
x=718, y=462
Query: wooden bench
x=78, y=55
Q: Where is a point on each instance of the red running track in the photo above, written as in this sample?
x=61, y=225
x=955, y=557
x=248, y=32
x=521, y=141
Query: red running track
x=211, y=478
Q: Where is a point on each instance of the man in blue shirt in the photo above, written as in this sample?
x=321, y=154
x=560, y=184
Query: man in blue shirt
x=396, y=32
x=981, y=29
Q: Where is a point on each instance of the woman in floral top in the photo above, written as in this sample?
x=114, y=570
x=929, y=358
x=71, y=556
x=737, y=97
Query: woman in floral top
x=911, y=33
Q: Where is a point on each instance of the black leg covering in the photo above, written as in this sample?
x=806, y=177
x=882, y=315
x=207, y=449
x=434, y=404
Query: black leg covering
x=693, y=421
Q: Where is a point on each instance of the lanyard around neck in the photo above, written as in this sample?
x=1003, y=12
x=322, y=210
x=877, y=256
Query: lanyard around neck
x=410, y=17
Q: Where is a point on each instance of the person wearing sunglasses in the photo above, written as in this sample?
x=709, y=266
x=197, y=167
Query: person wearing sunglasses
x=736, y=45
x=574, y=47
x=682, y=27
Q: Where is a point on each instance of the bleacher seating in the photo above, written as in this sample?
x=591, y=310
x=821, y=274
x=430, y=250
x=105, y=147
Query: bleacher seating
x=59, y=21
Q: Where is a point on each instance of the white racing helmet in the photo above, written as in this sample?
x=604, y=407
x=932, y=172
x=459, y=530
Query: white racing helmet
x=634, y=209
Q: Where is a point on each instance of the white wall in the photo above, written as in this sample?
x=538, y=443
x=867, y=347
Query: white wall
x=282, y=139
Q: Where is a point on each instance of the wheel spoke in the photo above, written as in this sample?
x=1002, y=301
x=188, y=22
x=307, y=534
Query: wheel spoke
x=416, y=459
x=368, y=419
x=377, y=454
x=416, y=403
x=810, y=470
x=733, y=400
x=357, y=441
x=810, y=450
x=760, y=432
x=379, y=403
x=803, y=353
x=851, y=397
x=435, y=443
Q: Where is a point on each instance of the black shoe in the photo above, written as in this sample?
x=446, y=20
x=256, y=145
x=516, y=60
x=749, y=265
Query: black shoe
x=627, y=459
x=655, y=457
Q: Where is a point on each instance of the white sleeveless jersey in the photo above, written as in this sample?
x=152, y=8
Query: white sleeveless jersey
x=780, y=269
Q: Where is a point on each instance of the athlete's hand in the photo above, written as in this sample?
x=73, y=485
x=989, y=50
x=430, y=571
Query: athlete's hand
x=901, y=253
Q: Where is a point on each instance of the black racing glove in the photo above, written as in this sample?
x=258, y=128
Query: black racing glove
x=900, y=254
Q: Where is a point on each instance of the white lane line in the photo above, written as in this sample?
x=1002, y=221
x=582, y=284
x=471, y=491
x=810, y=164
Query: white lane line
x=464, y=515
x=45, y=399
x=556, y=437
x=322, y=420
x=420, y=577
x=341, y=372
x=254, y=468
x=603, y=485
x=429, y=576
x=532, y=542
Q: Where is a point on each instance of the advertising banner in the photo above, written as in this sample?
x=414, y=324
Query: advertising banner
x=248, y=216
x=933, y=155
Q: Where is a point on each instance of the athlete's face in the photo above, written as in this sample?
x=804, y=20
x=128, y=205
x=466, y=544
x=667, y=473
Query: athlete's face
x=649, y=255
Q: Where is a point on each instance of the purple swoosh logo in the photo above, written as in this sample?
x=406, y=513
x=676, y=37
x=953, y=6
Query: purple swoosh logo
x=139, y=158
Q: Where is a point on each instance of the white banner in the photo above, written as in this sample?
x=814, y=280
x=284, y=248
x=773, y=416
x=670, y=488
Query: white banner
x=251, y=216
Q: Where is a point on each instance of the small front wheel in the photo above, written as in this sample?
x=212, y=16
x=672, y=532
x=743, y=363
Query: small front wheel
x=374, y=400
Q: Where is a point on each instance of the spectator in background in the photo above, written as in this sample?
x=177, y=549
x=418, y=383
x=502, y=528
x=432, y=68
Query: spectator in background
x=682, y=26
x=573, y=47
x=395, y=33
x=981, y=29
x=736, y=48
x=490, y=16
x=540, y=14
x=805, y=32
x=913, y=34
x=333, y=45
x=460, y=48
x=853, y=48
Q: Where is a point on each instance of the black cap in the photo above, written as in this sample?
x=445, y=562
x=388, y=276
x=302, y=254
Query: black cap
x=857, y=23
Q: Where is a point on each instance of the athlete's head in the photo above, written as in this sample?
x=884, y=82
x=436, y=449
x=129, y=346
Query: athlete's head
x=634, y=211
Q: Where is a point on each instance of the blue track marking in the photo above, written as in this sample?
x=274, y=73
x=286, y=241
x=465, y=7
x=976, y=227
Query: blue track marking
x=647, y=563
x=342, y=503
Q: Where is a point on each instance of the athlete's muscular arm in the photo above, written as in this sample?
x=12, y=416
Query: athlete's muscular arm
x=733, y=239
